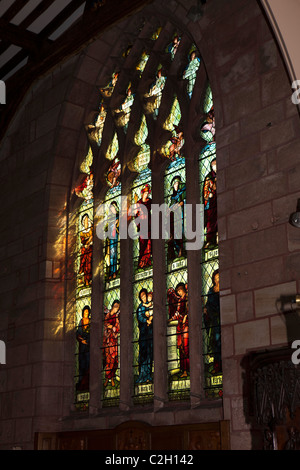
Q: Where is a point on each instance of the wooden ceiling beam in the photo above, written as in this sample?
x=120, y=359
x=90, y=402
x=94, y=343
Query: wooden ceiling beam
x=39, y=10
x=18, y=36
x=91, y=25
x=14, y=9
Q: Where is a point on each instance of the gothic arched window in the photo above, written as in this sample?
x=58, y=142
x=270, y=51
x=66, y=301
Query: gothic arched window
x=143, y=123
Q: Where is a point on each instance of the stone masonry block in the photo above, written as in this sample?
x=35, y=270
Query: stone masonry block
x=245, y=307
x=249, y=220
x=259, y=245
x=262, y=190
x=251, y=335
x=228, y=309
x=260, y=274
x=246, y=171
x=275, y=136
x=267, y=300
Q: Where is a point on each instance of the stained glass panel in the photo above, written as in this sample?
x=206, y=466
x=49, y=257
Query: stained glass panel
x=123, y=113
x=178, y=335
x=142, y=63
x=95, y=130
x=143, y=340
x=176, y=261
x=108, y=90
x=173, y=148
x=111, y=347
x=83, y=269
x=173, y=46
x=190, y=72
x=154, y=96
x=175, y=199
x=210, y=257
x=142, y=201
x=111, y=213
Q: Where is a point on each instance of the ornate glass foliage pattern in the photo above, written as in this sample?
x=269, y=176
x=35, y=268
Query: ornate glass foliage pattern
x=210, y=256
x=154, y=96
x=83, y=269
x=173, y=46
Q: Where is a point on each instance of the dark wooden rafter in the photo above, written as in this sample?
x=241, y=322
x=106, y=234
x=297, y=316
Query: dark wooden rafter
x=44, y=54
x=39, y=10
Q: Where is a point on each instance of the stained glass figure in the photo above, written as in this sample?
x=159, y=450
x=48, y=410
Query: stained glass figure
x=85, y=189
x=111, y=347
x=114, y=173
x=122, y=114
x=175, y=199
x=210, y=206
x=191, y=70
x=156, y=34
x=142, y=63
x=95, y=130
x=113, y=148
x=141, y=221
x=108, y=90
x=143, y=212
x=173, y=46
x=83, y=268
x=173, y=148
x=143, y=340
x=111, y=228
x=83, y=338
x=212, y=329
x=178, y=335
x=210, y=257
x=154, y=96
x=86, y=250
x=208, y=128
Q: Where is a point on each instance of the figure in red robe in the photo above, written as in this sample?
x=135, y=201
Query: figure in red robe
x=145, y=246
x=110, y=342
x=178, y=310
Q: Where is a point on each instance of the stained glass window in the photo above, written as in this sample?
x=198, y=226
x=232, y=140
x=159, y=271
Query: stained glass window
x=83, y=269
x=126, y=155
x=141, y=197
x=210, y=256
